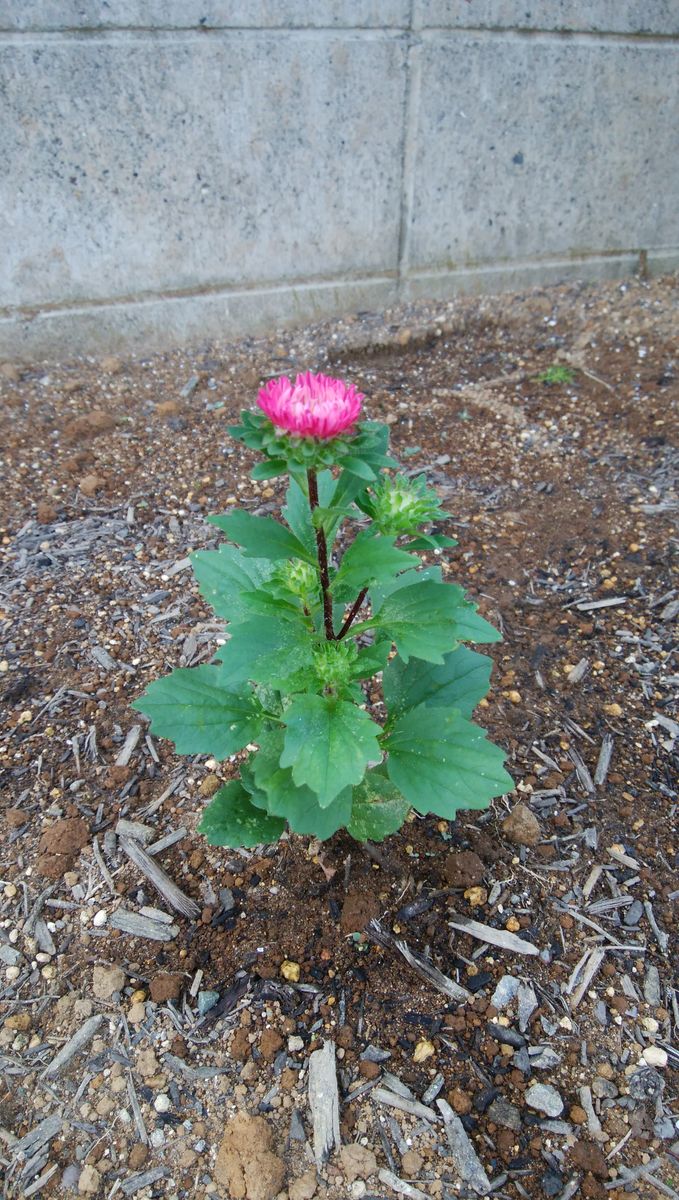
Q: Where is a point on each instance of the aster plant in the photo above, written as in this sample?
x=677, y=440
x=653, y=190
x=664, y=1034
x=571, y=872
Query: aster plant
x=324, y=608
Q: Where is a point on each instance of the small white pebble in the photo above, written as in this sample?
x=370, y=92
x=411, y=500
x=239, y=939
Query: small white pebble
x=157, y=1138
x=655, y=1056
x=12, y=973
x=162, y=1103
x=295, y=1043
x=100, y=918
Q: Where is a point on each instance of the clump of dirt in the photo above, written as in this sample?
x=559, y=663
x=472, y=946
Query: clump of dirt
x=247, y=1164
x=60, y=845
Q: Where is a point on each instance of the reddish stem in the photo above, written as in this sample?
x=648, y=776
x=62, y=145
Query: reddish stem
x=354, y=609
x=322, y=549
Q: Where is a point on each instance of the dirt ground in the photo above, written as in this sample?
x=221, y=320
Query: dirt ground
x=564, y=496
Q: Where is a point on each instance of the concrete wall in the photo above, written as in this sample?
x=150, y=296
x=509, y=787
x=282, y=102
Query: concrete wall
x=175, y=170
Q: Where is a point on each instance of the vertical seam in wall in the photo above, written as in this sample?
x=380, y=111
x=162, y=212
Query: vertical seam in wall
x=411, y=108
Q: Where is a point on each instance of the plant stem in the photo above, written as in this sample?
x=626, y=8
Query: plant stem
x=322, y=550
x=354, y=609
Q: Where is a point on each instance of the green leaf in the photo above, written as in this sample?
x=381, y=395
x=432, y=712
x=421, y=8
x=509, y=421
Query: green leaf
x=271, y=604
x=261, y=537
x=224, y=575
x=231, y=819
x=380, y=591
x=431, y=541
x=358, y=467
x=266, y=650
x=459, y=682
x=299, y=805
x=378, y=809
x=371, y=659
x=328, y=744
x=199, y=710
x=269, y=469
x=473, y=628
x=427, y=618
x=421, y=619
x=442, y=762
x=369, y=559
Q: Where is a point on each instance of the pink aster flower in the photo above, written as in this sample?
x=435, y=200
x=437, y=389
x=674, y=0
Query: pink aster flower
x=313, y=406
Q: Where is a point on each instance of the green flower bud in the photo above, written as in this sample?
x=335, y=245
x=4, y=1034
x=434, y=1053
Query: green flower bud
x=333, y=663
x=298, y=577
x=400, y=505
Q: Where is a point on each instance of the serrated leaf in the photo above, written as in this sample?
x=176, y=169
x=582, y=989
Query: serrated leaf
x=378, y=809
x=371, y=659
x=201, y=712
x=328, y=744
x=459, y=682
x=380, y=591
x=231, y=819
x=441, y=762
x=261, y=537
x=473, y=628
x=224, y=575
x=266, y=650
x=431, y=541
x=369, y=559
x=284, y=798
x=420, y=619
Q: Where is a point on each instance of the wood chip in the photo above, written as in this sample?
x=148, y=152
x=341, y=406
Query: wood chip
x=161, y=881
x=324, y=1102
x=494, y=937
x=41, y=1135
x=590, y=605
x=80, y=1039
x=591, y=962
x=469, y=1166
x=164, y=843
x=623, y=859
x=400, y=1186
x=139, y=926
x=578, y=672
x=604, y=760
x=135, y=1183
x=129, y=746
x=135, y=830
x=403, y=1104
x=419, y=963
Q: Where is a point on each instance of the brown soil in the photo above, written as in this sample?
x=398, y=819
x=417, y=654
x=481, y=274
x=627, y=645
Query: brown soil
x=563, y=496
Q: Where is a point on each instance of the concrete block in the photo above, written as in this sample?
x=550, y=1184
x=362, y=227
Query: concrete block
x=583, y=16
x=157, y=323
x=543, y=148
x=206, y=15
x=138, y=165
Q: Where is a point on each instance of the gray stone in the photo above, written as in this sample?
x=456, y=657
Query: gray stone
x=206, y=1001
x=604, y=1089
x=528, y=1003
x=543, y=1058
x=505, y=991
x=467, y=1162
x=634, y=913
x=504, y=1113
x=545, y=1099
x=9, y=956
x=652, y=990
